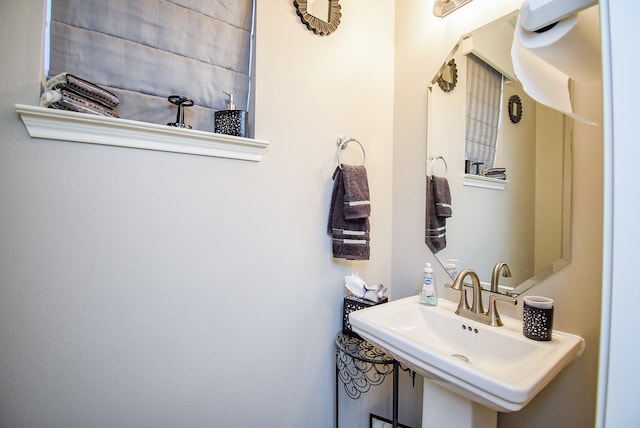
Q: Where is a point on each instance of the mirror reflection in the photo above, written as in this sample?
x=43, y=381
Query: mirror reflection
x=513, y=206
x=319, y=9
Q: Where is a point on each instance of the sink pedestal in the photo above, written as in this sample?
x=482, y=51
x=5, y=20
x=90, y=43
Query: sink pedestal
x=444, y=408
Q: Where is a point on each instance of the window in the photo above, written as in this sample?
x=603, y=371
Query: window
x=147, y=50
x=484, y=95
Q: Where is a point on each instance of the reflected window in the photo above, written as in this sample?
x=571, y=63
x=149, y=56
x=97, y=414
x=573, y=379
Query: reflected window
x=484, y=95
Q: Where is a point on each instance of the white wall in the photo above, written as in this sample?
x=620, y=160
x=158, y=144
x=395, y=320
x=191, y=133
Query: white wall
x=422, y=42
x=619, y=376
x=144, y=288
x=549, y=189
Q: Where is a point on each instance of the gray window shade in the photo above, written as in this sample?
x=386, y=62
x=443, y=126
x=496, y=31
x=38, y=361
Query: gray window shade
x=146, y=50
x=484, y=94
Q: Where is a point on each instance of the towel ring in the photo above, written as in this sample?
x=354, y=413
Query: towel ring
x=343, y=142
x=446, y=168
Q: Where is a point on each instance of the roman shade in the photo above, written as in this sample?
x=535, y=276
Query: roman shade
x=484, y=94
x=147, y=50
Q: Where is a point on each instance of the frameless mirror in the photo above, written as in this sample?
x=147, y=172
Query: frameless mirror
x=523, y=220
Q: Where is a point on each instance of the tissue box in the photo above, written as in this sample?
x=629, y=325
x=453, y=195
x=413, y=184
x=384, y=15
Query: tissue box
x=353, y=303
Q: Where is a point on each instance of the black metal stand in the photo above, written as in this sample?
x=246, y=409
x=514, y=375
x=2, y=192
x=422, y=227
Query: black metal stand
x=359, y=365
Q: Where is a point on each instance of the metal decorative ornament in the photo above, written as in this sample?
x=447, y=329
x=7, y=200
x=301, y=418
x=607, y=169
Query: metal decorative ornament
x=315, y=24
x=515, y=109
x=360, y=364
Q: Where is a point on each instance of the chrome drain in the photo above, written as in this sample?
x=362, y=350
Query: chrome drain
x=460, y=357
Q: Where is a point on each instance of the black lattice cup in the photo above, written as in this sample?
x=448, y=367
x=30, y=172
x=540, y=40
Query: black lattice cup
x=354, y=303
x=537, y=318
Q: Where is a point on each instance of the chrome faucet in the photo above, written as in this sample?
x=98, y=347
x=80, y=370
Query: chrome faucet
x=476, y=311
x=495, y=275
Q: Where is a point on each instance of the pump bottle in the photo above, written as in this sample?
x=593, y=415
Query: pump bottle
x=428, y=292
x=231, y=121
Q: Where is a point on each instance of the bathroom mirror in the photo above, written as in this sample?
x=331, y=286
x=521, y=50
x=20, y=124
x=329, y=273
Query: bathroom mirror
x=525, y=219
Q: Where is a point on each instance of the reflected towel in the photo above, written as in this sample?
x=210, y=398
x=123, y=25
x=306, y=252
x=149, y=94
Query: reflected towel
x=435, y=227
x=356, y=192
x=350, y=238
x=497, y=173
x=441, y=196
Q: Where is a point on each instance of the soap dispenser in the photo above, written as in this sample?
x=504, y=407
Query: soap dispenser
x=231, y=121
x=428, y=291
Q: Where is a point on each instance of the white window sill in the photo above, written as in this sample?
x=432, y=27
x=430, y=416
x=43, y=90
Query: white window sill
x=473, y=180
x=86, y=128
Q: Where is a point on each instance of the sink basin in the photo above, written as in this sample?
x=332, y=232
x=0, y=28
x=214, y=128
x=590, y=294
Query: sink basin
x=495, y=366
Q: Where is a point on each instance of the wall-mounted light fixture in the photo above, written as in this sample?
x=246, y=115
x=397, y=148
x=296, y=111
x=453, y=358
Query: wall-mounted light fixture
x=442, y=8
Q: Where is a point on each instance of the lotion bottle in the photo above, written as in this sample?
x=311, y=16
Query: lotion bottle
x=428, y=292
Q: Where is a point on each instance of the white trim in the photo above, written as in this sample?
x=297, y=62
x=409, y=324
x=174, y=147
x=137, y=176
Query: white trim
x=86, y=128
x=357, y=203
x=354, y=241
x=353, y=232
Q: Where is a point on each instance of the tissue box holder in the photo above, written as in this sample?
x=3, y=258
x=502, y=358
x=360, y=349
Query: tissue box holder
x=354, y=303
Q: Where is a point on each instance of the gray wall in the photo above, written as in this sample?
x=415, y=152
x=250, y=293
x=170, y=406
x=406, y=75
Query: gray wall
x=155, y=289
x=143, y=288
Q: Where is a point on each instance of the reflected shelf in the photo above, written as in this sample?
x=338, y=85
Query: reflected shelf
x=473, y=180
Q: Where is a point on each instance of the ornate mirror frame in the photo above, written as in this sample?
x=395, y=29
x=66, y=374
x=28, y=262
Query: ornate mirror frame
x=315, y=24
x=515, y=109
x=448, y=76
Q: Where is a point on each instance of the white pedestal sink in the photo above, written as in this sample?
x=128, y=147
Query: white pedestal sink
x=472, y=370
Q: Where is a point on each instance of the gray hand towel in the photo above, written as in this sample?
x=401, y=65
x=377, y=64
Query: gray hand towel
x=356, y=192
x=350, y=249
x=350, y=238
x=441, y=196
x=435, y=227
x=83, y=88
x=62, y=99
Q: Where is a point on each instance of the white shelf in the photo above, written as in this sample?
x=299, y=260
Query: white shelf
x=473, y=180
x=86, y=128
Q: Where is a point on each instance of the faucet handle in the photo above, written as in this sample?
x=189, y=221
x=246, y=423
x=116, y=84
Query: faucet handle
x=492, y=313
x=463, y=305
